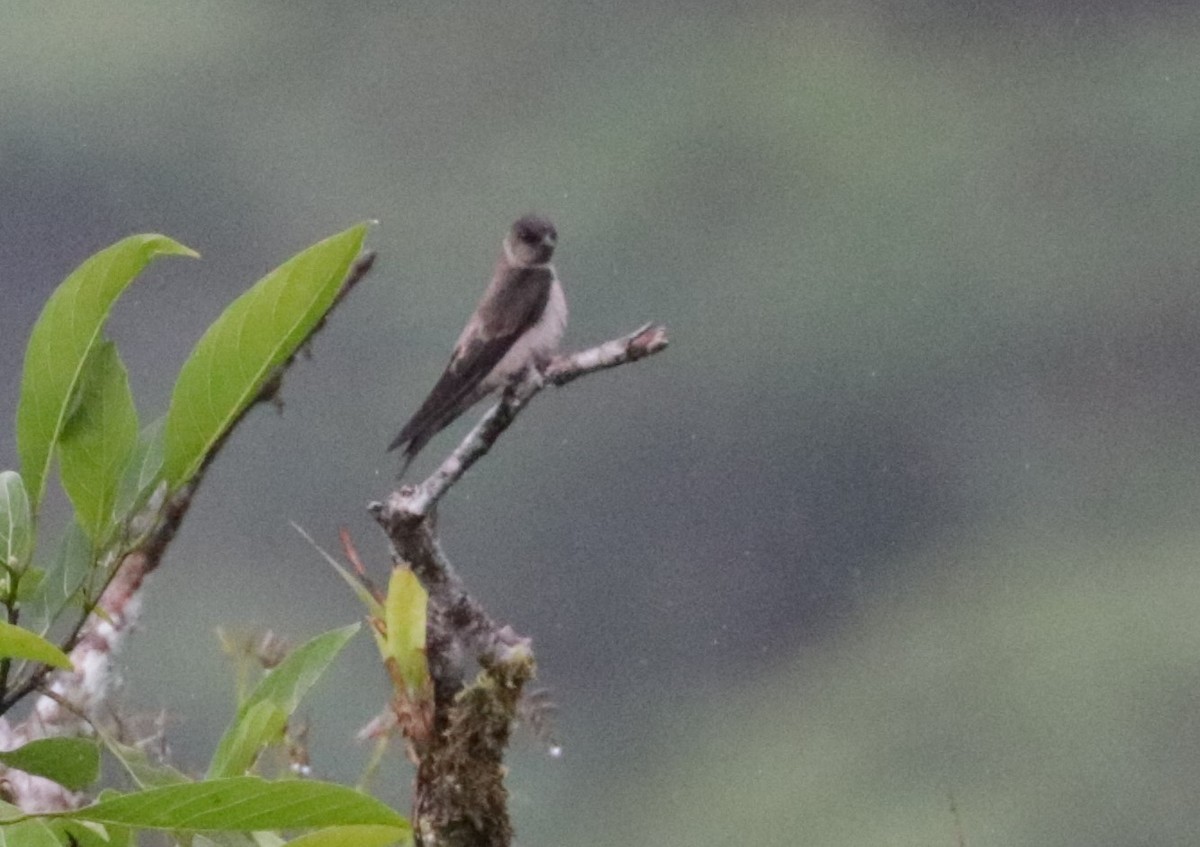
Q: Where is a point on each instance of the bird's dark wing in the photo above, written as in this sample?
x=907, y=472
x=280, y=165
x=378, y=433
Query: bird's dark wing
x=479, y=350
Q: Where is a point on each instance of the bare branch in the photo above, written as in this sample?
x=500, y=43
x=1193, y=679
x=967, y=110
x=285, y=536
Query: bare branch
x=643, y=342
x=420, y=499
x=460, y=798
x=458, y=626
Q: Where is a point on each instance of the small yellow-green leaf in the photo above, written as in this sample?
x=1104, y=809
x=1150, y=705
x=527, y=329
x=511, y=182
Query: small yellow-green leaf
x=243, y=349
x=242, y=803
x=98, y=440
x=19, y=643
x=406, y=603
x=355, y=836
x=71, y=762
x=63, y=338
x=16, y=522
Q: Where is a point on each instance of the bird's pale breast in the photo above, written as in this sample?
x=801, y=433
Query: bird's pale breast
x=537, y=343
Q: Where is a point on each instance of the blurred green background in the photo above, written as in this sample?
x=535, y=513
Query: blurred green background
x=906, y=516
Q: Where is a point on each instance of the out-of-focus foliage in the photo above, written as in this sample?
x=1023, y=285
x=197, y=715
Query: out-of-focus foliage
x=906, y=510
x=1044, y=688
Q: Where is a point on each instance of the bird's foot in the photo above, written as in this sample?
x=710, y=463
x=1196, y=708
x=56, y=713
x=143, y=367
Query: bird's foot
x=534, y=377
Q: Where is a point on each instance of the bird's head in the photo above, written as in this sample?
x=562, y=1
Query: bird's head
x=531, y=240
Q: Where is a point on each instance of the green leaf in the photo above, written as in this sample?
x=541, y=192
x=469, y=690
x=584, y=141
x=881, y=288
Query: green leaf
x=242, y=803
x=282, y=689
x=16, y=522
x=261, y=838
x=255, y=728
x=244, y=348
x=406, y=602
x=23, y=644
x=31, y=584
x=28, y=833
x=98, y=440
x=63, y=338
x=355, y=836
x=141, y=473
x=63, y=579
x=73, y=763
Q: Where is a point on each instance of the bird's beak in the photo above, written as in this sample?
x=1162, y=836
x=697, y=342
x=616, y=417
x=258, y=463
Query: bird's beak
x=548, y=240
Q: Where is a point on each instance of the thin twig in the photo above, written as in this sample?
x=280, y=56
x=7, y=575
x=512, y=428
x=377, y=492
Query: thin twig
x=458, y=626
x=419, y=500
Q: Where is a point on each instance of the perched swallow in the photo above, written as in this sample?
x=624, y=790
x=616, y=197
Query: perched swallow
x=518, y=324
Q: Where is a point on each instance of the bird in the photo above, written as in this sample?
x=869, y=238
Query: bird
x=518, y=324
